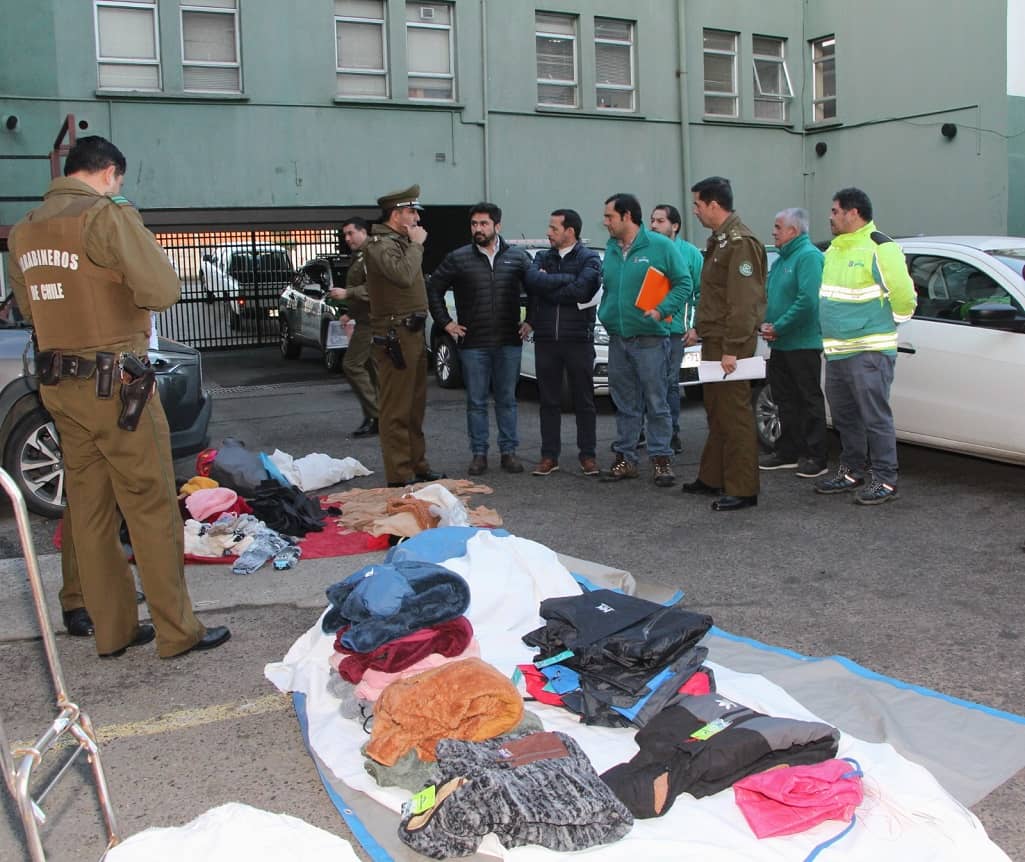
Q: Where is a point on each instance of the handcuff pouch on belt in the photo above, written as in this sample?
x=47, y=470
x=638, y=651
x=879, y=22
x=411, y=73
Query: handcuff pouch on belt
x=415, y=322
x=137, y=384
x=53, y=365
x=393, y=347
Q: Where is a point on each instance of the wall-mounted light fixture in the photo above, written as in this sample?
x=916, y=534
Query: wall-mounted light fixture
x=949, y=131
x=9, y=122
x=820, y=149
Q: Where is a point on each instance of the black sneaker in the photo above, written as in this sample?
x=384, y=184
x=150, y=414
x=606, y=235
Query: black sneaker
x=772, y=461
x=844, y=480
x=876, y=493
x=809, y=469
x=675, y=444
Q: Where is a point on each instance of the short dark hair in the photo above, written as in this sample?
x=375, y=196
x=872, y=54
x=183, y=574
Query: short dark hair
x=672, y=214
x=624, y=203
x=93, y=154
x=715, y=189
x=570, y=218
x=854, y=199
x=492, y=211
x=358, y=223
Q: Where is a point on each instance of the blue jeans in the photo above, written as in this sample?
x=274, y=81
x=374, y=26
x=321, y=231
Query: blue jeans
x=676, y=350
x=637, y=383
x=858, y=390
x=487, y=371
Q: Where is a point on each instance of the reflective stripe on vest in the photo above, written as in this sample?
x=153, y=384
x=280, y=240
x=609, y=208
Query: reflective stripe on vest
x=850, y=294
x=875, y=341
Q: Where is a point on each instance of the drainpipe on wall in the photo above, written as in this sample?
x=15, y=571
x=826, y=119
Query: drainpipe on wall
x=484, y=96
x=682, y=84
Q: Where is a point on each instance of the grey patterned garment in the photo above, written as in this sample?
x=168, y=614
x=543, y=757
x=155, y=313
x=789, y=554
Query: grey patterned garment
x=558, y=803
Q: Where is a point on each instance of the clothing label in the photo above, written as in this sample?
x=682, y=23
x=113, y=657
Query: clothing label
x=711, y=729
x=423, y=801
x=555, y=659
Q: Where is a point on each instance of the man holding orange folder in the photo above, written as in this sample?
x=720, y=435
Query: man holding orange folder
x=646, y=282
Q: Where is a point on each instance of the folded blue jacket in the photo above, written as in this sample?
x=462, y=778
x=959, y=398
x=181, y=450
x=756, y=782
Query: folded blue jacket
x=385, y=601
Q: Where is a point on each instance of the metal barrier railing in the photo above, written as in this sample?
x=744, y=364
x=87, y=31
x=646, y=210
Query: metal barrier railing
x=19, y=766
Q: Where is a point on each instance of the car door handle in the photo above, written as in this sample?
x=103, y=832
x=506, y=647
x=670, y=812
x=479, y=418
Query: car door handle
x=906, y=348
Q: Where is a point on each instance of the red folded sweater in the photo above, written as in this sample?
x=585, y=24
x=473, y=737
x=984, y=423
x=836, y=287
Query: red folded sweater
x=448, y=639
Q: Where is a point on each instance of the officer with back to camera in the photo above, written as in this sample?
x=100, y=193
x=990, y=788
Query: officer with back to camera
x=87, y=273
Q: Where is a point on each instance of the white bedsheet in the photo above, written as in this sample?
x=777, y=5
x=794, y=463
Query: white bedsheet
x=906, y=815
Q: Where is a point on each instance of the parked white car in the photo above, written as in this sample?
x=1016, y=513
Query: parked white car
x=249, y=277
x=960, y=379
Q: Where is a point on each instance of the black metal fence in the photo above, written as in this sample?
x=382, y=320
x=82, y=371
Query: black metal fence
x=231, y=281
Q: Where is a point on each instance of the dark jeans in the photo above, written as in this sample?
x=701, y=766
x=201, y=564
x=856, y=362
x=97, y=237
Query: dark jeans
x=795, y=378
x=491, y=371
x=858, y=389
x=637, y=383
x=576, y=359
x=676, y=350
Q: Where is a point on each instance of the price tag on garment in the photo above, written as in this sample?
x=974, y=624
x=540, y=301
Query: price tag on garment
x=423, y=801
x=555, y=659
x=711, y=729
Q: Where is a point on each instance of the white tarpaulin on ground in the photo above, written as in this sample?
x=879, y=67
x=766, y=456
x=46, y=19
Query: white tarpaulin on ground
x=906, y=813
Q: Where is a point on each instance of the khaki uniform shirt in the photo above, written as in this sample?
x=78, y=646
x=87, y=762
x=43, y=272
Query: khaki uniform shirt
x=357, y=299
x=732, y=303
x=395, y=279
x=114, y=239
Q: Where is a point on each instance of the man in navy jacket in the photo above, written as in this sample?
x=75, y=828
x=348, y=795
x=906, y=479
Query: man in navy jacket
x=561, y=281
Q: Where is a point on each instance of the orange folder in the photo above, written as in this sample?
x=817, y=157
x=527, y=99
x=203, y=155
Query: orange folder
x=654, y=289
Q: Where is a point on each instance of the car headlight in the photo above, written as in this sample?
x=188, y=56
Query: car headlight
x=601, y=335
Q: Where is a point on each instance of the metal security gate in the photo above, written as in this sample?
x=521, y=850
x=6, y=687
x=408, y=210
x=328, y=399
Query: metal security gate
x=231, y=281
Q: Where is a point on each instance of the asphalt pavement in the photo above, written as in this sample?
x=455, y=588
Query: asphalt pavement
x=928, y=590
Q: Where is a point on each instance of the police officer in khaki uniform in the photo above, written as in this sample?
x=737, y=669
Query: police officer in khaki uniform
x=398, y=309
x=358, y=366
x=87, y=272
x=729, y=312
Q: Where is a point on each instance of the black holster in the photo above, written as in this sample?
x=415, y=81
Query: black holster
x=138, y=380
x=415, y=322
x=393, y=347
x=48, y=367
x=105, y=363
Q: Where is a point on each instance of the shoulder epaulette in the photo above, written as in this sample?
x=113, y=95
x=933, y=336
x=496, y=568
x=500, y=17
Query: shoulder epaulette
x=878, y=237
x=121, y=201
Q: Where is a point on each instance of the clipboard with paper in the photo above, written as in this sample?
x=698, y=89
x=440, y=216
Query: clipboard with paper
x=654, y=289
x=751, y=368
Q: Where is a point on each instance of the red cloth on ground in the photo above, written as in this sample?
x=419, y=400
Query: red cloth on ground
x=447, y=639
x=536, y=682
x=699, y=683
x=794, y=798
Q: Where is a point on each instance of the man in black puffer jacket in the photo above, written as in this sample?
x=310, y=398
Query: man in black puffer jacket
x=487, y=278
x=561, y=280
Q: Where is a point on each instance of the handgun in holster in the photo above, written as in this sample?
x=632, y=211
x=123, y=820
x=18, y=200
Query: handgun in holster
x=393, y=347
x=138, y=381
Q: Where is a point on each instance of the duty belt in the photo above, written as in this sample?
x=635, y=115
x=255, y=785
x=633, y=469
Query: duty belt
x=65, y=365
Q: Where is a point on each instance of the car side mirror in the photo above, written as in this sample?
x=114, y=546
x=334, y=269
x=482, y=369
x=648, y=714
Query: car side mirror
x=996, y=315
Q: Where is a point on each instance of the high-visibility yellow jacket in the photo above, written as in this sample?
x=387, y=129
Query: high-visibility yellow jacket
x=866, y=291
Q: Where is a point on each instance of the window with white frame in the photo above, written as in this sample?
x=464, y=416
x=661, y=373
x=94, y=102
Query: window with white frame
x=823, y=62
x=614, y=64
x=210, y=46
x=127, y=45
x=361, y=58
x=430, y=59
x=556, y=41
x=720, y=52
x=771, y=79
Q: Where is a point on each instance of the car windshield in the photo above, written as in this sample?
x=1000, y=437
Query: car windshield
x=270, y=266
x=1012, y=258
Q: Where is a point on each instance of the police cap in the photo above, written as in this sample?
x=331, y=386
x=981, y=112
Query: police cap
x=398, y=200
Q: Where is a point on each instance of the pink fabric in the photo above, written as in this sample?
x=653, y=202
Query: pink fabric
x=376, y=681
x=209, y=501
x=792, y=799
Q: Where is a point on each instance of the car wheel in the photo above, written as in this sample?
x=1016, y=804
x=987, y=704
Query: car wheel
x=290, y=349
x=333, y=360
x=767, y=421
x=446, y=364
x=34, y=460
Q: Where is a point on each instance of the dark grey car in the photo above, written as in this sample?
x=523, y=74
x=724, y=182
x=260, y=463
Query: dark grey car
x=29, y=444
x=307, y=318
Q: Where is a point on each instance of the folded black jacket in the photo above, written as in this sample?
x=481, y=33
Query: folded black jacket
x=707, y=742
x=616, y=638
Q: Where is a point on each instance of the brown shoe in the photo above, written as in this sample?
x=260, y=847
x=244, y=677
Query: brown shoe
x=510, y=463
x=478, y=465
x=546, y=467
x=662, y=472
x=621, y=469
x=589, y=467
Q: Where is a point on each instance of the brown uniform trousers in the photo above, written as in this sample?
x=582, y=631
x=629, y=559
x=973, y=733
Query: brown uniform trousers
x=403, y=403
x=109, y=468
x=360, y=369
